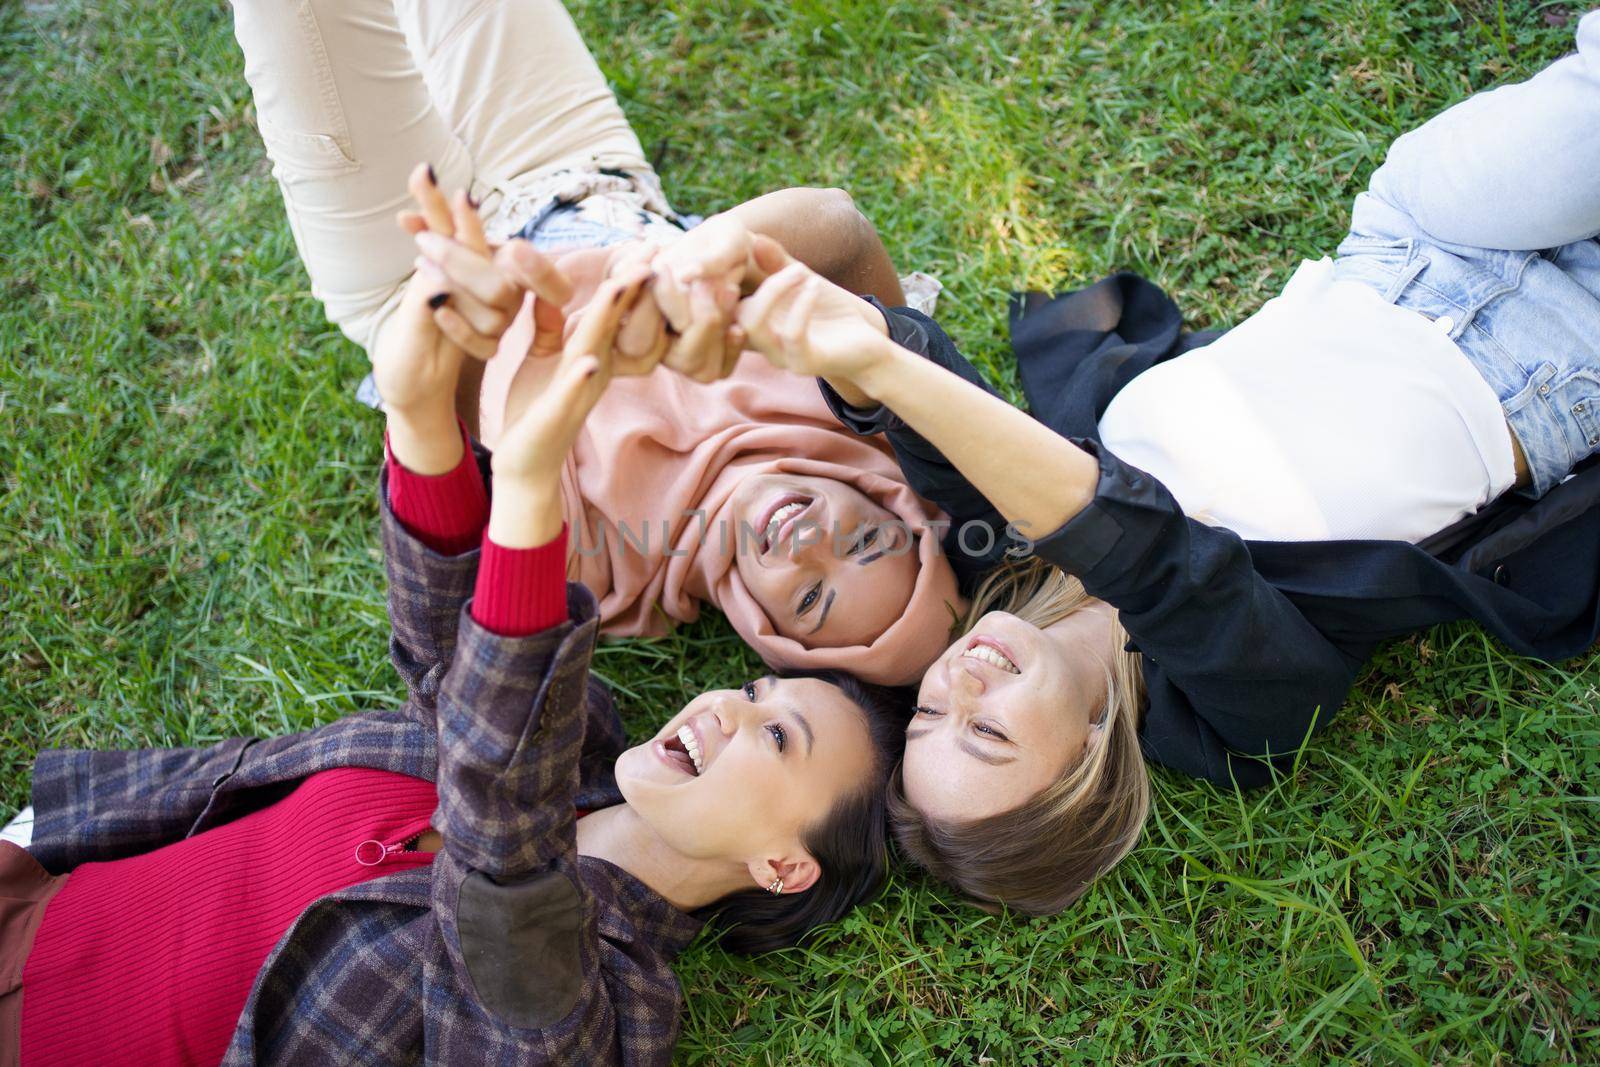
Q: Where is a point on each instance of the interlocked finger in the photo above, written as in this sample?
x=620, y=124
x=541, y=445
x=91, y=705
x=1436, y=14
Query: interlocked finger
x=698, y=353
x=526, y=266
x=435, y=210
x=672, y=297
x=758, y=314
x=469, y=226
x=481, y=317
x=643, y=330
x=470, y=271
x=628, y=256
x=549, y=328
x=453, y=326
x=596, y=332
x=732, y=348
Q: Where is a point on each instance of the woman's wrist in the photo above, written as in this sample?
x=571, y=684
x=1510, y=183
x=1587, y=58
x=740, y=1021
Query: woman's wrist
x=876, y=379
x=426, y=442
x=525, y=513
x=851, y=393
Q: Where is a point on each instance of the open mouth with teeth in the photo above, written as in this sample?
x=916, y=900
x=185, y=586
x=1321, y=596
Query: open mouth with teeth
x=777, y=522
x=683, y=749
x=986, y=651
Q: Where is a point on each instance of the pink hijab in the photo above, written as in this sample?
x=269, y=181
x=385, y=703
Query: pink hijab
x=661, y=457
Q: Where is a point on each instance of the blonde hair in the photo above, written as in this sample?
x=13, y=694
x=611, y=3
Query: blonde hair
x=1040, y=857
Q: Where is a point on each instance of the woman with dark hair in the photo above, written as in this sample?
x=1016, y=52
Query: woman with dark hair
x=1406, y=436
x=484, y=875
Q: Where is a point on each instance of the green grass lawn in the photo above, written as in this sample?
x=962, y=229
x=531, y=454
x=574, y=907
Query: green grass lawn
x=188, y=543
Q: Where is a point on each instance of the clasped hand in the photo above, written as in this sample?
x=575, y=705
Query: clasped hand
x=705, y=299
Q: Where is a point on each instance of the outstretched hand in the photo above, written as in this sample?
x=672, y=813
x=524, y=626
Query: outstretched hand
x=803, y=323
x=463, y=295
x=474, y=289
x=688, y=321
x=483, y=284
x=421, y=372
x=533, y=448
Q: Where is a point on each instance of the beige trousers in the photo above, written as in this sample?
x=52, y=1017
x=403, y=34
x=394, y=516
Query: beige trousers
x=350, y=95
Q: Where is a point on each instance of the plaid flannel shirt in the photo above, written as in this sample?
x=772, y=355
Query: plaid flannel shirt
x=510, y=948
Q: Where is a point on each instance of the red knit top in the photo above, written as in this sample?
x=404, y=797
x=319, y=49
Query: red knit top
x=150, y=959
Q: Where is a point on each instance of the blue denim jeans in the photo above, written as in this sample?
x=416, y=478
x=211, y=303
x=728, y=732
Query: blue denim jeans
x=1486, y=218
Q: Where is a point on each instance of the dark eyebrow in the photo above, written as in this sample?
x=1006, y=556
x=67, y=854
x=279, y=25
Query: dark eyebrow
x=805, y=728
x=970, y=749
x=875, y=556
x=825, y=606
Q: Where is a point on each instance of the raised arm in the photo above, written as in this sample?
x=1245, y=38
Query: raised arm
x=507, y=891
x=431, y=494
x=1223, y=647
x=801, y=322
x=511, y=707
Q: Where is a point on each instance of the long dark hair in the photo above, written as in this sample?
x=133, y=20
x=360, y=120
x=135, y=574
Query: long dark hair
x=850, y=845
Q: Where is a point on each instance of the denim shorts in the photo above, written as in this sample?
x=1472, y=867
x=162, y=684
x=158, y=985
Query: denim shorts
x=565, y=227
x=1528, y=321
x=585, y=216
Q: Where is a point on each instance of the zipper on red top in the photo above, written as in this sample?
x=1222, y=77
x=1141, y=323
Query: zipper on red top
x=372, y=852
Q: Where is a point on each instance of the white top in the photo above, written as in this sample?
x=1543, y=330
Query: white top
x=1328, y=414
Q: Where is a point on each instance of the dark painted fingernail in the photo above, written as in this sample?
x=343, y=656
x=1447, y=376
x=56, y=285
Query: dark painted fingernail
x=437, y=300
x=433, y=179
x=473, y=201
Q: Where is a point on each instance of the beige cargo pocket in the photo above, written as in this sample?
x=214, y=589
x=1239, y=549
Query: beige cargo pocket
x=298, y=157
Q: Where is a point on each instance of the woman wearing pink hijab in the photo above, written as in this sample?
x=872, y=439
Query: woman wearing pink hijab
x=726, y=482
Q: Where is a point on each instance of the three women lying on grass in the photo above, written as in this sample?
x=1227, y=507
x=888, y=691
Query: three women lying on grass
x=1404, y=437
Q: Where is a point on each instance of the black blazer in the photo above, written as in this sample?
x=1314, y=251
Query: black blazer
x=1249, y=646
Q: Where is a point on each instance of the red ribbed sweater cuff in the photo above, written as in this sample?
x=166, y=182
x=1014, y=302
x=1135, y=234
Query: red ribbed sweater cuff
x=520, y=591
x=446, y=512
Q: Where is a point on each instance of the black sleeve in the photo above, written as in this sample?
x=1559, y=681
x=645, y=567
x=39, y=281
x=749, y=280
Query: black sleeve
x=977, y=539
x=1233, y=667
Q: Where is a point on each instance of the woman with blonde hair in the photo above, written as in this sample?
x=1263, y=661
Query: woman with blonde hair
x=1098, y=803
x=1406, y=436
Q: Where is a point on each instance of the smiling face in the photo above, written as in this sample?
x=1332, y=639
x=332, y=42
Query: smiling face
x=741, y=774
x=1005, y=712
x=828, y=566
